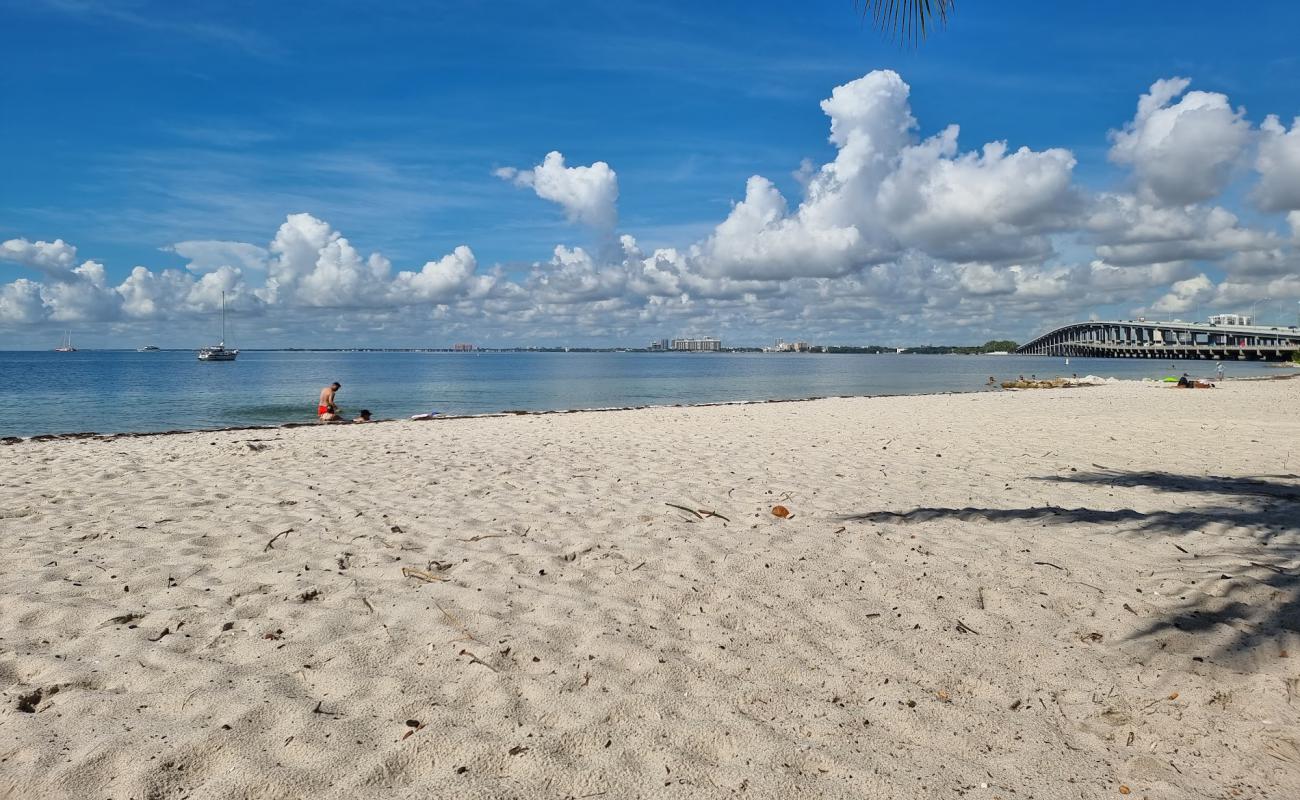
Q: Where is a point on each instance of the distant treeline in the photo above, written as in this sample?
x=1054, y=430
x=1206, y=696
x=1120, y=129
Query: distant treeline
x=994, y=346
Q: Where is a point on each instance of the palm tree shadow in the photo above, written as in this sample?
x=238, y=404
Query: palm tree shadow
x=1264, y=510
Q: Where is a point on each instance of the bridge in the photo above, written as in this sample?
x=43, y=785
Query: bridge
x=1168, y=340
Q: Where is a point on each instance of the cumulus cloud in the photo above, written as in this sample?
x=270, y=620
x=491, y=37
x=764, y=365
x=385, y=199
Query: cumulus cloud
x=588, y=195
x=443, y=280
x=1278, y=164
x=314, y=266
x=21, y=303
x=209, y=255
x=56, y=258
x=885, y=193
x=1131, y=232
x=1181, y=152
x=1185, y=295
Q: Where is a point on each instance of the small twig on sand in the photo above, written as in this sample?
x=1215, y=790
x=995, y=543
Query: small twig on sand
x=979, y=598
x=482, y=536
x=700, y=513
x=1050, y=564
x=284, y=532
x=356, y=588
x=473, y=659
x=687, y=510
x=964, y=628
x=421, y=575
x=455, y=623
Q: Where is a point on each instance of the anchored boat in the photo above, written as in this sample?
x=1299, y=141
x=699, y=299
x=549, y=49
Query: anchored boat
x=218, y=352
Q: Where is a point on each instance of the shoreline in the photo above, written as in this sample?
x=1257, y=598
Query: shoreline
x=983, y=389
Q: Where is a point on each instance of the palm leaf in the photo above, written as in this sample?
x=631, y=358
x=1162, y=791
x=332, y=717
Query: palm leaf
x=909, y=20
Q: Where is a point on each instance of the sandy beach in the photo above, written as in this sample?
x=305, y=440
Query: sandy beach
x=1077, y=593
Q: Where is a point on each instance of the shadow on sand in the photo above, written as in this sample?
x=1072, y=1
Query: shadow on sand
x=1263, y=513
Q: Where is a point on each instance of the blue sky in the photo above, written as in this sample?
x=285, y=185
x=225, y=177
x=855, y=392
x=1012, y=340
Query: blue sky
x=132, y=126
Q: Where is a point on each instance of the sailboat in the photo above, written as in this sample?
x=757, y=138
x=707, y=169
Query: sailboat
x=66, y=345
x=218, y=352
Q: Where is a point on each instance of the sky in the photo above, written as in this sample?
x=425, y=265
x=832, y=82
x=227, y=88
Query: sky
x=602, y=174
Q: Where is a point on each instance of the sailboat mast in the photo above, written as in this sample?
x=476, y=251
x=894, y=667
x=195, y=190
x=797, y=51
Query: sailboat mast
x=223, y=319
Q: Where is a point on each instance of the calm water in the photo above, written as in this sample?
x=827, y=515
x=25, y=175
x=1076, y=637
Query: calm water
x=111, y=391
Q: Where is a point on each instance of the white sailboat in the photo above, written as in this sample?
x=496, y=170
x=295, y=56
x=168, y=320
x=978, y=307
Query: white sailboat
x=66, y=345
x=218, y=352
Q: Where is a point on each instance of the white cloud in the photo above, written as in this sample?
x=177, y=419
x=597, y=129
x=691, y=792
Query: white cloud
x=1278, y=164
x=983, y=280
x=55, y=258
x=86, y=295
x=588, y=195
x=1183, y=152
x=315, y=265
x=442, y=280
x=209, y=255
x=884, y=193
x=989, y=205
x=21, y=303
x=1185, y=295
x=1130, y=232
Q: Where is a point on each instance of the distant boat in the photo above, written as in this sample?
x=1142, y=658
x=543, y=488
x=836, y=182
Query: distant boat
x=218, y=352
x=148, y=349
x=66, y=345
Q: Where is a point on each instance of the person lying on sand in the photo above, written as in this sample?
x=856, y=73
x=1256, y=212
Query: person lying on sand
x=326, y=410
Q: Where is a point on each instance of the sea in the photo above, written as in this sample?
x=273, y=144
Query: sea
x=108, y=391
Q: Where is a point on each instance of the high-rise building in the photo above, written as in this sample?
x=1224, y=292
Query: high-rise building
x=704, y=344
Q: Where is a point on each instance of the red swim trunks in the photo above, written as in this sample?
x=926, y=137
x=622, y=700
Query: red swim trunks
x=322, y=410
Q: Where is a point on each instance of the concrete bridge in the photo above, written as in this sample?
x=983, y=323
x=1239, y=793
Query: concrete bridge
x=1167, y=340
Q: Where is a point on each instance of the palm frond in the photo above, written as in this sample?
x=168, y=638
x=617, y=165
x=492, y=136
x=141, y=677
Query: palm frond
x=909, y=20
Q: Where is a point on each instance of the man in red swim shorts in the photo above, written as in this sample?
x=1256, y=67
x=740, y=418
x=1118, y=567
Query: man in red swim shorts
x=326, y=410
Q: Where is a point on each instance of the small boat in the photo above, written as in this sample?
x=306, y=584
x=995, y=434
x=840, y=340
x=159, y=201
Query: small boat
x=218, y=352
x=66, y=345
x=149, y=348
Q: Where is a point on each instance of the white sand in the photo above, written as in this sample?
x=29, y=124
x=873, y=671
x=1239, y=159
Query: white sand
x=590, y=641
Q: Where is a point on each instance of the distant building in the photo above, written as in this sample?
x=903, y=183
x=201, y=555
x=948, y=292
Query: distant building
x=1232, y=319
x=464, y=348
x=782, y=346
x=703, y=345
x=660, y=345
